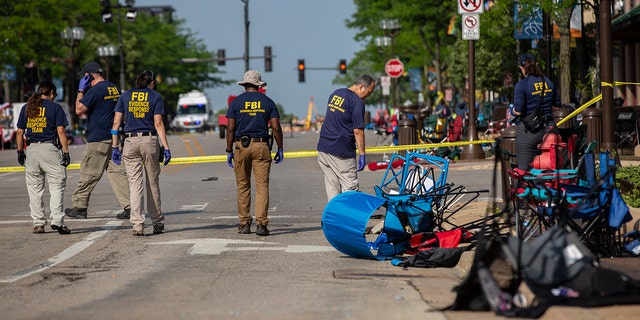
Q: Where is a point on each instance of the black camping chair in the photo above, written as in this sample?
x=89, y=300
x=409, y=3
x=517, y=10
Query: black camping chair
x=626, y=127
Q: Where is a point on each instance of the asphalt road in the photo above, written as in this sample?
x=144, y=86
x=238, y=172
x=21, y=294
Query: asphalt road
x=200, y=267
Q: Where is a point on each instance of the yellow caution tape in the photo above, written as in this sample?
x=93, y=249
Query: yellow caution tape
x=295, y=154
x=595, y=99
x=618, y=83
x=576, y=111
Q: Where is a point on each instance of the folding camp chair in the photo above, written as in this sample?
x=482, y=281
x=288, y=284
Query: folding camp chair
x=414, y=198
x=600, y=212
x=498, y=120
x=535, y=193
x=420, y=199
x=385, y=135
x=593, y=209
x=435, y=128
x=626, y=127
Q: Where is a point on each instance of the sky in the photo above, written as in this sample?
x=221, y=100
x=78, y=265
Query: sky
x=295, y=29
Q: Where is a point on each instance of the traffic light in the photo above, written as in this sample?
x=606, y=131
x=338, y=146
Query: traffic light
x=221, y=57
x=31, y=75
x=45, y=74
x=301, y=68
x=267, y=59
x=343, y=66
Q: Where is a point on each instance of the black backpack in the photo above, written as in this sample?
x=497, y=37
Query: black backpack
x=519, y=279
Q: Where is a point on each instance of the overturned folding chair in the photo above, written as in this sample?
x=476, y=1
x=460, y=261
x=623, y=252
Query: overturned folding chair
x=412, y=199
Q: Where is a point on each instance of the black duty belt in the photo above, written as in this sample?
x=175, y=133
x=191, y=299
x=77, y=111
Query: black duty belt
x=29, y=141
x=256, y=139
x=140, y=134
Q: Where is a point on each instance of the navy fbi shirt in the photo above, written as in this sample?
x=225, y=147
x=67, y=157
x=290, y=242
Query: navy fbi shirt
x=533, y=91
x=44, y=126
x=345, y=112
x=252, y=111
x=100, y=100
x=138, y=107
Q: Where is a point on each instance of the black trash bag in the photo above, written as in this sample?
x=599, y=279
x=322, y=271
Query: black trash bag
x=433, y=258
x=554, y=269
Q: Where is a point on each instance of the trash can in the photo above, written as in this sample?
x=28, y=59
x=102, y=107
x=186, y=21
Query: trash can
x=367, y=118
x=508, y=157
x=562, y=113
x=407, y=133
x=592, y=118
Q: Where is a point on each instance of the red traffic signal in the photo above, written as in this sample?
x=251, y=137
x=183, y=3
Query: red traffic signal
x=343, y=66
x=301, y=69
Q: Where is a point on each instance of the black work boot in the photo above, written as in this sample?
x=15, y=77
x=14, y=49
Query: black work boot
x=244, y=228
x=262, y=230
x=76, y=213
x=125, y=214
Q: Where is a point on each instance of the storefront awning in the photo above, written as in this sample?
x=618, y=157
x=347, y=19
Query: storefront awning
x=625, y=27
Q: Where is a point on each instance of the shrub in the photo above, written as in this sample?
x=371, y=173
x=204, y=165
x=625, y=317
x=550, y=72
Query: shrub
x=628, y=180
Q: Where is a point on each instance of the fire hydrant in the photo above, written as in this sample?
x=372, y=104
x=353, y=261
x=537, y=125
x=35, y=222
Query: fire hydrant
x=551, y=156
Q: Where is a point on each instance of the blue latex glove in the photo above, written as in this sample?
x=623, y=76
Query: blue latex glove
x=230, y=160
x=361, y=162
x=279, y=156
x=85, y=83
x=116, y=156
x=167, y=156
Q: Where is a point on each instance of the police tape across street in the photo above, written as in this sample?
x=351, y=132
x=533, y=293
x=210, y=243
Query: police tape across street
x=294, y=154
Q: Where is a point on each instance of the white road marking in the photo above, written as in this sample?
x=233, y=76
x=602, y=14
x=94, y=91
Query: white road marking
x=270, y=217
x=65, y=254
x=16, y=221
x=92, y=214
x=109, y=212
x=194, y=207
x=213, y=246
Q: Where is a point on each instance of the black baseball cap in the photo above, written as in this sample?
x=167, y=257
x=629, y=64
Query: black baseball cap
x=91, y=67
x=523, y=57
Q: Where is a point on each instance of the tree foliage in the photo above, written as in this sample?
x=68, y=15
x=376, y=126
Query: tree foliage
x=31, y=31
x=425, y=42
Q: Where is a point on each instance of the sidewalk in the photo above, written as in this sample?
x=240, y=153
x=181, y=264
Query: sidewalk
x=436, y=284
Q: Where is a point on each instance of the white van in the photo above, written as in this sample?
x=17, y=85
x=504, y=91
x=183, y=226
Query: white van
x=9, y=114
x=193, y=113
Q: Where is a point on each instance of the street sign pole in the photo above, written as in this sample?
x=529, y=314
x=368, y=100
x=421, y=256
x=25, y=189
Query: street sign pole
x=472, y=151
x=394, y=69
x=470, y=10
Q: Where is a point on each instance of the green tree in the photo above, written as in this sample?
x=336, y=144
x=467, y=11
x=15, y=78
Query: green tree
x=420, y=43
x=31, y=32
x=495, y=51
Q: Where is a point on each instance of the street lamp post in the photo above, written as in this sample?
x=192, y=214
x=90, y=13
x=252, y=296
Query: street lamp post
x=383, y=42
x=122, y=80
x=106, y=52
x=72, y=37
x=130, y=16
x=390, y=28
x=246, y=35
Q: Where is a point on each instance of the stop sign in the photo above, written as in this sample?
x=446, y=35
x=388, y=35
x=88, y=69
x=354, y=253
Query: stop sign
x=394, y=68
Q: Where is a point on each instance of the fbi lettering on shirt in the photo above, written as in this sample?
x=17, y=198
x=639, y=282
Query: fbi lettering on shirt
x=139, y=104
x=38, y=123
x=251, y=108
x=114, y=94
x=336, y=103
x=539, y=87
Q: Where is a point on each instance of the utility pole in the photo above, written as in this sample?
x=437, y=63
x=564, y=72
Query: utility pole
x=246, y=35
x=606, y=72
